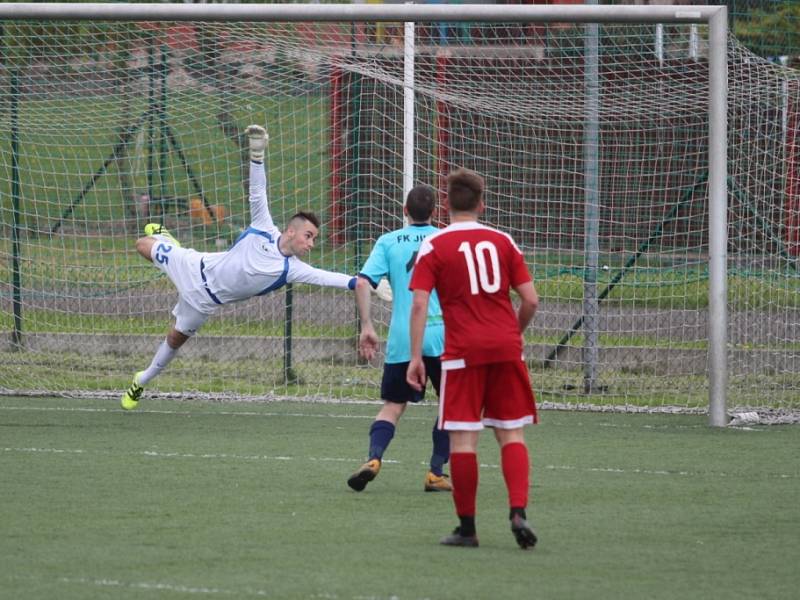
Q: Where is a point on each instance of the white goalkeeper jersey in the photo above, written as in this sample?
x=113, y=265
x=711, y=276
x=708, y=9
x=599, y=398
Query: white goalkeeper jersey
x=254, y=265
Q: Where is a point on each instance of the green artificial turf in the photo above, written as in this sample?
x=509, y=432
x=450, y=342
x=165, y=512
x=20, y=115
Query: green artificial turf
x=238, y=500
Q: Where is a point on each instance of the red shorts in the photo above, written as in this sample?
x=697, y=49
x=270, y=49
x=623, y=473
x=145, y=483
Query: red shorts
x=495, y=395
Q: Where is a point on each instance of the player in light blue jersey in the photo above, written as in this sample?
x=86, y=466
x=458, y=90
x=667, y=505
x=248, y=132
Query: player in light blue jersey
x=262, y=260
x=393, y=257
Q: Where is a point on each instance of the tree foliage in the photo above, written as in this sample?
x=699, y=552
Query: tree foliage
x=770, y=31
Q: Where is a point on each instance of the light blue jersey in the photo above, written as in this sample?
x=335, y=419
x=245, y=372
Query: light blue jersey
x=393, y=257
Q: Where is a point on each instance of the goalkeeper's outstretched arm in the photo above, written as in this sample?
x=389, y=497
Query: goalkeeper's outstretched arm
x=303, y=273
x=260, y=217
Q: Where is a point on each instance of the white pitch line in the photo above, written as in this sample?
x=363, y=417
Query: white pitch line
x=662, y=472
x=280, y=458
x=204, y=456
x=143, y=585
x=46, y=450
x=203, y=590
x=229, y=413
x=184, y=413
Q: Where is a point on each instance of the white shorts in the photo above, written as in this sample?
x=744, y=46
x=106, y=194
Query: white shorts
x=182, y=266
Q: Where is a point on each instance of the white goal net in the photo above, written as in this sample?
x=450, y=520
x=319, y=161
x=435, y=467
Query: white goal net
x=111, y=125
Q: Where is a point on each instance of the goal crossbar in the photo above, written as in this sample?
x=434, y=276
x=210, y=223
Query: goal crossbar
x=359, y=12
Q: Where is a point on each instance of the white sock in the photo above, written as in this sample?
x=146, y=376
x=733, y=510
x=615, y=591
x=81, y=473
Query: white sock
x=163, y=356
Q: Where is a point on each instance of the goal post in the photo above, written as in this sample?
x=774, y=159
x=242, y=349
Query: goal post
x=438, y=107
x=718, y=216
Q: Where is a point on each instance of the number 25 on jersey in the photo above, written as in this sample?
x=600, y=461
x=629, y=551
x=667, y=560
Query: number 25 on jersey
x=161, y=253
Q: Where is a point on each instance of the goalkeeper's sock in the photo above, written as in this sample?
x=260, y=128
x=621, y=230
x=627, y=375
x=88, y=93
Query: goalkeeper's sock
x=464, y=476
x=515, y=462
x=380, y=435
x=164, y=355
x=441, y=449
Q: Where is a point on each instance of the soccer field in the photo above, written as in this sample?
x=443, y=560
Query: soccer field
x=239, y=500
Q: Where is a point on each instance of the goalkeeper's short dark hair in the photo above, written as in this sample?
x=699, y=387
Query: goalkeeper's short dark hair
x=305, y=215
x=464, y=190
x=420, y=202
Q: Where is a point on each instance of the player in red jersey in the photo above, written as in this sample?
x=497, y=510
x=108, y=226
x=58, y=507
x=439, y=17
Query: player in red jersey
x=484, y=379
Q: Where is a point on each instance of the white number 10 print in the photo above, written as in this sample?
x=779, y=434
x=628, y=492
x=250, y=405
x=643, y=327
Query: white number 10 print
x=482, y=250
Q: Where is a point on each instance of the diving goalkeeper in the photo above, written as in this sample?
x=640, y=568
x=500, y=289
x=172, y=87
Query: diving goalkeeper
x=262, y=260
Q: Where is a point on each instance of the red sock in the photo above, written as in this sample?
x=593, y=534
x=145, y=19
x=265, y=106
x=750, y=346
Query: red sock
x=464, y=477
x=515, y=471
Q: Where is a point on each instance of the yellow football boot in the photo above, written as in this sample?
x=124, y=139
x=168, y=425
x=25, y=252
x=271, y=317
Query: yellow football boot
x=437, y=483
x=130, y=399
x=159, y=229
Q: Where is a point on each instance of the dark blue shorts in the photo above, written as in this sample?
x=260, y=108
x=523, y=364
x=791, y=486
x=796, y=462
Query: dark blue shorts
x=394, y=387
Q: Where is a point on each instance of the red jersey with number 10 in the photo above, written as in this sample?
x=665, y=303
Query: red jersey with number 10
x=473, y=267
